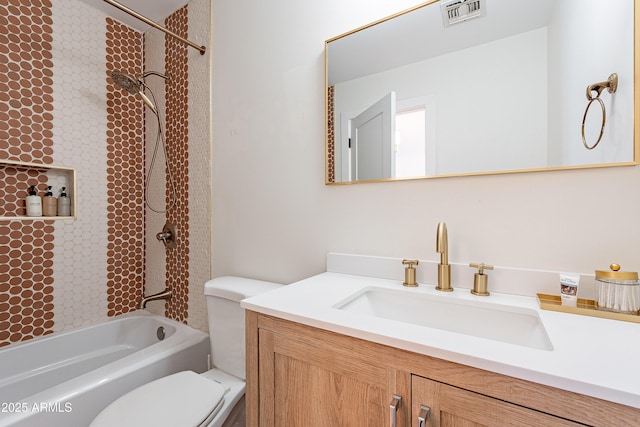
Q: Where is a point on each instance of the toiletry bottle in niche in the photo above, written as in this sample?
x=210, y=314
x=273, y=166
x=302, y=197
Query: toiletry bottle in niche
x=64, y=204
x=49, y=204
x=33, y=202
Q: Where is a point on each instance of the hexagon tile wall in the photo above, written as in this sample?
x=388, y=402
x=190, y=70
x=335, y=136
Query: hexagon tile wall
x=80, y=124
x=26, y=104
x=56, y=104
x=125, y=160
x=59, y=106
x=177, y=274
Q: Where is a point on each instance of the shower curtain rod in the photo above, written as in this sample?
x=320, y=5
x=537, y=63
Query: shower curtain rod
x=146, y=20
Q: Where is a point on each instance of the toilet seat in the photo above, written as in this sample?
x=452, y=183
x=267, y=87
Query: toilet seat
x=182, y=399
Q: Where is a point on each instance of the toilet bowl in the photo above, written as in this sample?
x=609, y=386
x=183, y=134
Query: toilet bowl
x=188, y=399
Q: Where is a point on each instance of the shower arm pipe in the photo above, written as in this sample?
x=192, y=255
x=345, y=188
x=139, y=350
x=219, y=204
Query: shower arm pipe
x=146, y=20
x=155, y=73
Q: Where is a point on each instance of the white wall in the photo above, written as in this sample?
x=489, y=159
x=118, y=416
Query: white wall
x=273, y=217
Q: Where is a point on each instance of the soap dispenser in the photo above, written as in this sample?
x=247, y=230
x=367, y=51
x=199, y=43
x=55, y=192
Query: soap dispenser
x=33, y=202
x=64, y=203
x=49, y=204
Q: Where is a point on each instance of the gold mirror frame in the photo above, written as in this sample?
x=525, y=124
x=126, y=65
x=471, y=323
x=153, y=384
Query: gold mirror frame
x=329, y=119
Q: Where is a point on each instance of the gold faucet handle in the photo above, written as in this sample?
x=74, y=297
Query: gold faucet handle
x=410, y=272
x=481, y=267
x=480, y=280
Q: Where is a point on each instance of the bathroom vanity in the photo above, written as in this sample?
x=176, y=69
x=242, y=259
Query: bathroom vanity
x=315, y=358
x=300, y=375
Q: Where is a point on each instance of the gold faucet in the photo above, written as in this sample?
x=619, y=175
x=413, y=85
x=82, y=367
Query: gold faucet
x=444, y=269
x=166, y=294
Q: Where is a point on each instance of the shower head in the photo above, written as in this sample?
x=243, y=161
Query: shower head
x=136, y=85
x=126, y=82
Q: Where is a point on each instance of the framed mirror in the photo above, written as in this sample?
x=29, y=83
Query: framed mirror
x=473, y=87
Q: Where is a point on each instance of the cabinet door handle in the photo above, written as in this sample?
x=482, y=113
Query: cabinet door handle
x=423, y=417
x=393, y=409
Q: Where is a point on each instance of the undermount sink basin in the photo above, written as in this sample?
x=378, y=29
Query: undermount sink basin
x=513, y=325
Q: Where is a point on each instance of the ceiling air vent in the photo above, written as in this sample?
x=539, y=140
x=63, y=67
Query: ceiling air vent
x=456, y=11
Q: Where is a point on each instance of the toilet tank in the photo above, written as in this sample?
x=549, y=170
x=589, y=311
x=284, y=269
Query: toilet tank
x=226, y=319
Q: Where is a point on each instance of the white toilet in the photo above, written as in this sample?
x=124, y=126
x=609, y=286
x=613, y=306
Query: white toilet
x=188, y=399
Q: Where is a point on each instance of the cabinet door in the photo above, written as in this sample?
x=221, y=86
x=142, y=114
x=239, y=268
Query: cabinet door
x=454, y=407
x=309, y=382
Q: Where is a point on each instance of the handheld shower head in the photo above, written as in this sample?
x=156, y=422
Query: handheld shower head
x=126, y=82
x=136, y=85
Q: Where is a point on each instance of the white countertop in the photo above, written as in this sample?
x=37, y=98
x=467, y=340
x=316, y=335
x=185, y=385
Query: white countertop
x=591, y=356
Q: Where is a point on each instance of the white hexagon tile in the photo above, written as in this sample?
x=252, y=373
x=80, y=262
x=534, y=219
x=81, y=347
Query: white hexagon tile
x=80, y=126
x=199, y=166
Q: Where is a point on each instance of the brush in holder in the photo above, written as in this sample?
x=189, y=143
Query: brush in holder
x=617, y=291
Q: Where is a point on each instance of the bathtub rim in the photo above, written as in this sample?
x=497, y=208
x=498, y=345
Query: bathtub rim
x=184, y=337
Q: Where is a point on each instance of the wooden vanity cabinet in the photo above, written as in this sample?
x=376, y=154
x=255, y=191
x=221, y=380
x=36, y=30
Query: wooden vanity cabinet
x=303, y=376
x=450, y=406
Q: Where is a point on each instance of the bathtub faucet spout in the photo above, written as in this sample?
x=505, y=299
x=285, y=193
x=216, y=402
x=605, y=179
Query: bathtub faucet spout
x=166, y=295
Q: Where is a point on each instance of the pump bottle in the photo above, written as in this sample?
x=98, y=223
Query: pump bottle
x=33, y=202
x=49, y=204
x=64, y=204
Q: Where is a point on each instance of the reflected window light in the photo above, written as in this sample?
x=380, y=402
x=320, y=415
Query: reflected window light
x=410, y=142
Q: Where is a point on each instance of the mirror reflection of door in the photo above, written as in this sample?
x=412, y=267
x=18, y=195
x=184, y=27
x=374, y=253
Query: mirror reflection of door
x=372, y=141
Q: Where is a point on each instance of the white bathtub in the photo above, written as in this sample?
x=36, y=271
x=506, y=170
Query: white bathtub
x=65, y=379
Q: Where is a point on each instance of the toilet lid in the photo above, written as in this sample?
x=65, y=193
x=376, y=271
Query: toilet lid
x=182, y=399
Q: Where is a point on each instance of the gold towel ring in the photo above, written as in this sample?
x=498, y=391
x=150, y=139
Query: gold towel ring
x=611, y=85
x=604, y=120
